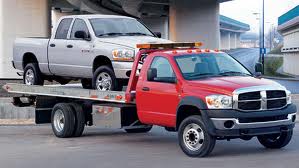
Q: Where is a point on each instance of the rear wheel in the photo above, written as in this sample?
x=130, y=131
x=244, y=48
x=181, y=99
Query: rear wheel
x=79, y=119
x=276, y=141
x=32, y=75
x=104, y=79
x=139, y=130
x=194, y=139
x=63, y=120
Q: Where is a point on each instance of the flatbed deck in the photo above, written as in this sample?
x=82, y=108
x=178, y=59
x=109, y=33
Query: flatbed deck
x=66, y=92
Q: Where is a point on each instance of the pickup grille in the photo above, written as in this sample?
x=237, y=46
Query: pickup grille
x=261, y=100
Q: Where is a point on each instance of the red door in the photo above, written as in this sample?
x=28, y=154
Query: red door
x=157, y=98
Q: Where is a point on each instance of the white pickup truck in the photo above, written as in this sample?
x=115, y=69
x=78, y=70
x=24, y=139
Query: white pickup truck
x=97, y=49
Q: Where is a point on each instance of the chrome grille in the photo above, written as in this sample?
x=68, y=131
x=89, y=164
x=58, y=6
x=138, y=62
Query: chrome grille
x=261, y=100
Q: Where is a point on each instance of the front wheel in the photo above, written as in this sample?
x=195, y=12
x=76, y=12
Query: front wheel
x=276, y=141
x=194, y=139
x=104, y=79
x=32, y=75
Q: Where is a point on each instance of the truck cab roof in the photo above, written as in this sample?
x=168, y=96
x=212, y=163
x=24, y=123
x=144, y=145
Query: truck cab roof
x=96, y=16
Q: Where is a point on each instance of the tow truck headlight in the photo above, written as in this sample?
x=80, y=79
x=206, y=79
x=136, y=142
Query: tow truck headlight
x=219, y=102
x=123, y=55
x=289, y=98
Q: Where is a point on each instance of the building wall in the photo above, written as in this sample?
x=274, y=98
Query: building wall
x=191, y=20
x=20, y=18
x=290, y=63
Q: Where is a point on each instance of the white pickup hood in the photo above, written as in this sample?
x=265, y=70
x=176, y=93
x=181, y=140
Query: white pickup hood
x=131, y=41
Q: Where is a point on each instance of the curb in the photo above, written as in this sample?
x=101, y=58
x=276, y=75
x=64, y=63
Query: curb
x=279, y=78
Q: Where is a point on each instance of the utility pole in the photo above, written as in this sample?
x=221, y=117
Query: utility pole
x=262, y=36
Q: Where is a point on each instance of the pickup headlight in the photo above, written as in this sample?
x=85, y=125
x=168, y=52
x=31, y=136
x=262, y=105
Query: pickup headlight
x=289, y=98
x=123, y=55
x=219, y=102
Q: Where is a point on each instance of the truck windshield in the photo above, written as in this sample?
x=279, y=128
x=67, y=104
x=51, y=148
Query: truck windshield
x=104, y=27
x=204, y=65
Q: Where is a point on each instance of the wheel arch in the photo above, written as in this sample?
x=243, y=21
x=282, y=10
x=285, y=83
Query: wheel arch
x=101, y=60
x=28, y=57
x=190, y=106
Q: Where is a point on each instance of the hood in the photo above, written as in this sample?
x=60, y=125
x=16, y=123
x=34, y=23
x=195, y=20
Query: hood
x=226, y=85
x=131, y=41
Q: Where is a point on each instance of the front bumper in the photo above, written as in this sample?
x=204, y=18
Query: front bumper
x=123, y=69
x=250, y=123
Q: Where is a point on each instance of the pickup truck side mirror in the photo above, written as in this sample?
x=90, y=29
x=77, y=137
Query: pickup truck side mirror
x=258, y=69
x=158, y=34
x=82, y=35
x=151, y=74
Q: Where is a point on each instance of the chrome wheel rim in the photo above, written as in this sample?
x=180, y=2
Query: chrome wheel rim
x=59, y=120
x=193, y=137
x=29, y=77
x=104, y=81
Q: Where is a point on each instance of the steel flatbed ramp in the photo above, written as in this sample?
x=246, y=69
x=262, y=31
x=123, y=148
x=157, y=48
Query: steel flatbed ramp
x=66, y=92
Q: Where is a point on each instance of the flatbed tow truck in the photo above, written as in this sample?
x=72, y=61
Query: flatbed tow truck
x=204, y=95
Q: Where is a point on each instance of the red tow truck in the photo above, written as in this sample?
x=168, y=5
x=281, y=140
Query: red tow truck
x=204, y=95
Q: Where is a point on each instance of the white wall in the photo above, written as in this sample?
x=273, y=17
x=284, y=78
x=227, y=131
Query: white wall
x=194, y=20
x=20, y=18
x=225, y=40
x=290, y=63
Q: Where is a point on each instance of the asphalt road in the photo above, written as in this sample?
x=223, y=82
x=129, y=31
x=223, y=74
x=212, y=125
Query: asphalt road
x=36, y=146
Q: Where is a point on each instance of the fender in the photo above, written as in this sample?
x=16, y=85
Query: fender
x=200, y=105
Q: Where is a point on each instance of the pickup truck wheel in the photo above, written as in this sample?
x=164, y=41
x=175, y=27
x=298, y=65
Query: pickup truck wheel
x=79, y=119
x=139, y=130
x=194, y=139
x=104, y=79
x=86, y=83
x=32, y=75
x=276, y=141
x=63, y=120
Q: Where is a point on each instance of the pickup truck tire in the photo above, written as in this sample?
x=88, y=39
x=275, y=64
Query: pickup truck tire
x=104, y=79
x=63, y=120
x=32, y=75
x=139, y=130
x=79, y=119
x=86, y=83
x=194, y=138
x=276, y=141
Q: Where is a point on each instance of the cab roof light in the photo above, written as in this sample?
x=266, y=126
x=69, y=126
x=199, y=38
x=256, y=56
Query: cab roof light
x=169, y=45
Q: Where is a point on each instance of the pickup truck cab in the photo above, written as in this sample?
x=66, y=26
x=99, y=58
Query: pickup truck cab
x=97, y=49
x=204, y=95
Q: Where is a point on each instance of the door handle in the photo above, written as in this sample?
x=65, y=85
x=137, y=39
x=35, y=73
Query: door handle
x=69, y=46
x=52, y=45
x=146, y=89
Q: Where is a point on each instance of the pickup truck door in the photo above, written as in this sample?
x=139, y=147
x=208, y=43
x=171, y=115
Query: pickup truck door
x=57, y=46
x=78, y=52
x=157, y=100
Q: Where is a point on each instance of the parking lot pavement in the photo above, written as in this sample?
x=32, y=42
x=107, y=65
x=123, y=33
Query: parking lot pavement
x=35, y=146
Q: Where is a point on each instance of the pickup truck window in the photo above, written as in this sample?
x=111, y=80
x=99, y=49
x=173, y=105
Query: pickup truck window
x=63, y=28
x=165, y=72
x=119, y=27
x=197, y=66
x=79, y=25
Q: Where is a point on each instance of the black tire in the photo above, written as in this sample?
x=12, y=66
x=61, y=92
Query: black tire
x=170, y=129
x=79, y=119
x=86, y=83
x=139, y=130
x=276, y=141
x=37, y=75
x=204, y=141
x=108, y=70
x=69, y=120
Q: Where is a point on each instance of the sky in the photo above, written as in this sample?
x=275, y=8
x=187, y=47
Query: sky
x=242, y=10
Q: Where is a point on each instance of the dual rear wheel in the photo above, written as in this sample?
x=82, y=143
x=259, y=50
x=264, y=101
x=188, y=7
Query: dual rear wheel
x=68, y=120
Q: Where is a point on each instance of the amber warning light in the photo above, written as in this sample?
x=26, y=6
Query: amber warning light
x=169, y=45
